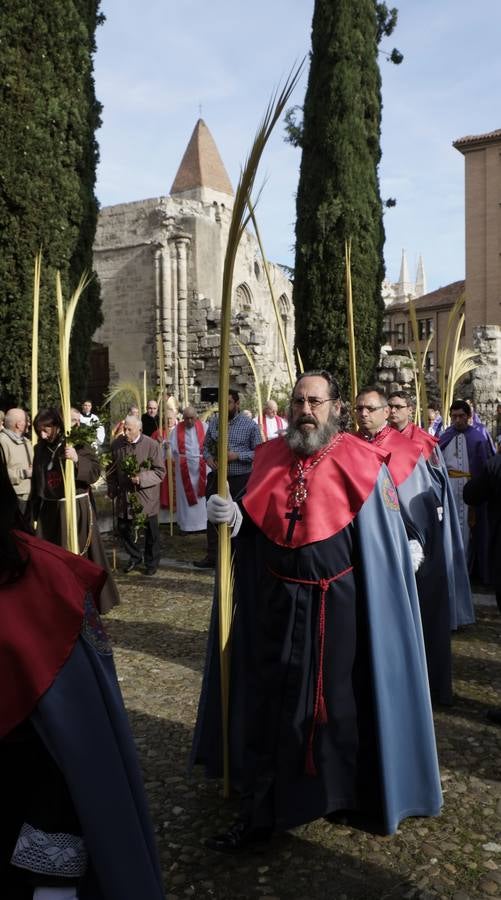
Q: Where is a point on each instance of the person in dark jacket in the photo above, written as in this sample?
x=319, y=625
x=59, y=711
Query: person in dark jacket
x=486, y=488
x=47, y=493
x=134, y=479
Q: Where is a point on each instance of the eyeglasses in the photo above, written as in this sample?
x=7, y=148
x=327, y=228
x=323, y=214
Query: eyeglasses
x=313, y=402
x=370, y=409
x=397, y=406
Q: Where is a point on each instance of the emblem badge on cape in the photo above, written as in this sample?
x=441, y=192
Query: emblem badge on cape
x=390, y=494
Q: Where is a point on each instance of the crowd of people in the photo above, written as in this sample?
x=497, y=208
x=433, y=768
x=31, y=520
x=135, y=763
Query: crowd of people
x=355, y=549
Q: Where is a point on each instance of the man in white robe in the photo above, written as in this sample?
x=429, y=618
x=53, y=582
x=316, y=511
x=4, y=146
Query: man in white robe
x=271, y=424
x=186, y=443
x=466, y=450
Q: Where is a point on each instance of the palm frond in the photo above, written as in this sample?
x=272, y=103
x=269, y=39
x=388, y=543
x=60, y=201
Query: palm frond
x=259, y=398
x=129, y=388
x=445, y=364
x=278, y=317
x=65, y=316
x=421, y=393
x=243, y=193
x=350, y=322
x=34, y=343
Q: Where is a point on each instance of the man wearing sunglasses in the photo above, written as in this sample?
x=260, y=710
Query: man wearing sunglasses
x=461, y=611
x=326, y=604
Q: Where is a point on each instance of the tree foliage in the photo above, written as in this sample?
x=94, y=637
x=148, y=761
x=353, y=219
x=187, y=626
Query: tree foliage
x=338, y=194
x=49, y=154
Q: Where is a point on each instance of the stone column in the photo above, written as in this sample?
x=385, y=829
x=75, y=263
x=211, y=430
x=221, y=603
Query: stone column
x=182, y=303
x=173, y=307
x=166, y=312
x=486, y=379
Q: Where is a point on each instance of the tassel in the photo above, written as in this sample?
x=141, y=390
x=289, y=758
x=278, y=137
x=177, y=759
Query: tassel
x=321, y=717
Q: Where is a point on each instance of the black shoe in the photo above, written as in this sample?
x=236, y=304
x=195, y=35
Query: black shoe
x=494, y=715
x=131, y=565
x=205, y=563
x=239, y=836
x=150, y=570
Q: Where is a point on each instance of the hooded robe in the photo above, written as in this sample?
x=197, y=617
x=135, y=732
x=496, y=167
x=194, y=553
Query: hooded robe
x=460, y=600
x=65, y=694
x=474, y=525
x=421, y=517
x=329, y=699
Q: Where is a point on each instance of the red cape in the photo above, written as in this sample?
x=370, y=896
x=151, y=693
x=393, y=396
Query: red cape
x=40, y=620
x=404, y=453
x=425, y=441
x=337, y=488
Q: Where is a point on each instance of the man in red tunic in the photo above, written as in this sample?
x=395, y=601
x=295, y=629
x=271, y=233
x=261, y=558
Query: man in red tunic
x=420, y=512
x=329, y=702
x=461, y=609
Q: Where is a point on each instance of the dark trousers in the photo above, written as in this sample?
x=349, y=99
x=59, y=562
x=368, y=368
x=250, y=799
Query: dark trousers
x=151, y=541
x=237, y=484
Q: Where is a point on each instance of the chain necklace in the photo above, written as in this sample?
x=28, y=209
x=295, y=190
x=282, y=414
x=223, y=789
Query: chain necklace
x=298, y=487
x=53, y=452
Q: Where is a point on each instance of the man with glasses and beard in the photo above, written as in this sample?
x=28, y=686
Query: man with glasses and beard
x=329, y=705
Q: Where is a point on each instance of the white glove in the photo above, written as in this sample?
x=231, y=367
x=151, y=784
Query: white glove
x=417, y=554
x=221, y=509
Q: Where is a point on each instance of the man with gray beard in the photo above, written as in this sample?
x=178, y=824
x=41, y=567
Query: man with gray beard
x=329, y=702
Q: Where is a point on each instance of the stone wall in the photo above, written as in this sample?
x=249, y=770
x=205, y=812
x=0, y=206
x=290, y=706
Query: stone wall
x=160, y=263
x=486, y=379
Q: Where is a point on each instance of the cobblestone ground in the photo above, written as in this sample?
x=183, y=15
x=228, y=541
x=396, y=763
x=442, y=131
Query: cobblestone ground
x=159, y=635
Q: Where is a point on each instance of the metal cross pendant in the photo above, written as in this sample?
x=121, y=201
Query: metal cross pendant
x=294, y=516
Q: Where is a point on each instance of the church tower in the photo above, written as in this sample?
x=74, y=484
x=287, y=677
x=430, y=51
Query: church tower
x=404, y=286
x=420, y=288
x=201, y=174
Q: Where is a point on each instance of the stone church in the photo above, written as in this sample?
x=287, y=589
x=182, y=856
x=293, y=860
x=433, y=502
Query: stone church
x=160, y=264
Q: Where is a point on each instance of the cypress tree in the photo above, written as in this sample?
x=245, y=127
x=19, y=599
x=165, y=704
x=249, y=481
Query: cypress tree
x=338, y=195
x=48, y=159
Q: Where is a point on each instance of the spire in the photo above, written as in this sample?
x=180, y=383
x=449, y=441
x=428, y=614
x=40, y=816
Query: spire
x=421, y=288
x=404, y=286
x=202, y=175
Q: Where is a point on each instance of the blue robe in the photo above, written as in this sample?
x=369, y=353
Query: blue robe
x=82, y=722
x=479, y=451
x=461, y=607
x=376, y=751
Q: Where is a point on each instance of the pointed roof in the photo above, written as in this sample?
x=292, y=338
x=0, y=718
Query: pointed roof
x=404, y=286
x=420, y=278
x=201, y=166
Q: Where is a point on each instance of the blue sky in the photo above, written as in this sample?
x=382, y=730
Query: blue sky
x=158, y=62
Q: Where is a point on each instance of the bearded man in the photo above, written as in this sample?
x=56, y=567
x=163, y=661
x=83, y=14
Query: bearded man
x=330, y=706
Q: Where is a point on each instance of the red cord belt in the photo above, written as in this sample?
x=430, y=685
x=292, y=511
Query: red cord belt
x=320, y=709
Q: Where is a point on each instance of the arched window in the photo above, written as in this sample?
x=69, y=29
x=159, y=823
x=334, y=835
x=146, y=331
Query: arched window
x=243, y=297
